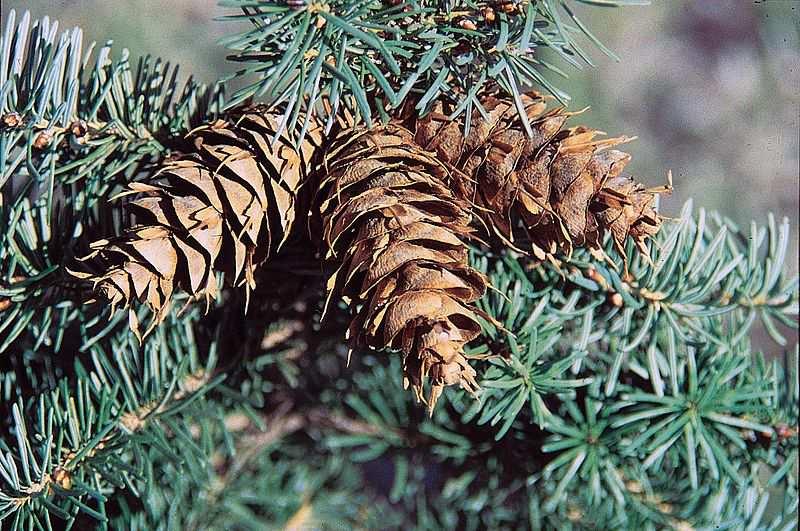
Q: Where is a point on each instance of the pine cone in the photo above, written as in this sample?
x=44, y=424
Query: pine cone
x=564, y=185
x=223, y=207
x=388, y=215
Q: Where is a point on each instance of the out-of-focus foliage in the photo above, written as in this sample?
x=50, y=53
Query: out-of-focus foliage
x=712, y=89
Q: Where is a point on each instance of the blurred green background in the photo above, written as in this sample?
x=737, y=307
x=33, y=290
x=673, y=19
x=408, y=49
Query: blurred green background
x=711, y=87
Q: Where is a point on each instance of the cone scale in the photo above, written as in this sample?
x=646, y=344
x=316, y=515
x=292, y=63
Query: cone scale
x=547, y=192
x=224, y=207
x=398, y=234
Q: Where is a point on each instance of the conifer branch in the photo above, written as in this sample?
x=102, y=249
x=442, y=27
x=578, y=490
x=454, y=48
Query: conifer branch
x=367, y=58
x=74, y=125
x=75, y=441
x=620, y=387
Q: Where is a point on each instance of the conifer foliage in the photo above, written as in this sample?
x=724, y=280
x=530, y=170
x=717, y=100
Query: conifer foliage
x=386, y=202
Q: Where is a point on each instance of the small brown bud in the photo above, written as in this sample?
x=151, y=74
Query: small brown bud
x=467, y=24
x=42, y=140
x=12, y=119
x=62, y=477
x=78, y=128
x=634, y=486
x=5, y=304
x=616, y=300
x=595, y=276
x=665, y=507
x=488, y=14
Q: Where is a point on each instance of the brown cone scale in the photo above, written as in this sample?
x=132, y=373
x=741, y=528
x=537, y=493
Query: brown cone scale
x=223, y=207
x=397, y=232
x=563, y=185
